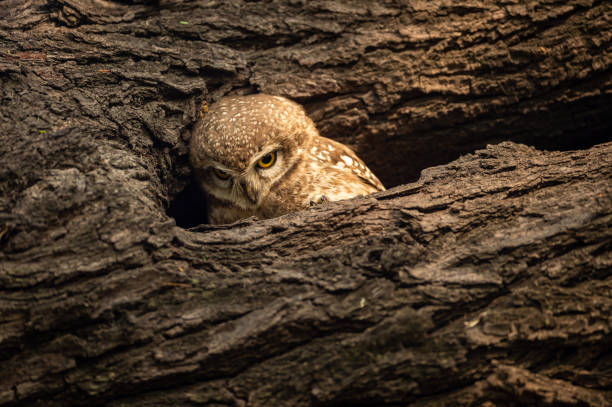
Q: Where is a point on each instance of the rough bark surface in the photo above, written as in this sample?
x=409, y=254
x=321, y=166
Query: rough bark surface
x=486, y=282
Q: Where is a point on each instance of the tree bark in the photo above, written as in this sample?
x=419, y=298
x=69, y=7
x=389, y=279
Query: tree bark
x=486, y=282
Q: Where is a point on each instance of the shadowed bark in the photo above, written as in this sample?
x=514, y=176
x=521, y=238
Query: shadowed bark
x=486, y=282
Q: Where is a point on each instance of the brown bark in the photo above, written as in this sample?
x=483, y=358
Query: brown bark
x=486, y=282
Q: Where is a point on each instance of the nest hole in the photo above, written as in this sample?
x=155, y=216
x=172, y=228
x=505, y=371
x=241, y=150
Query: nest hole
x=189, y=207
x=399, y=160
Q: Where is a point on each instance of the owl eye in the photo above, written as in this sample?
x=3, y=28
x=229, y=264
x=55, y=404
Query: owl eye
x=221, y=174
x=267, y=160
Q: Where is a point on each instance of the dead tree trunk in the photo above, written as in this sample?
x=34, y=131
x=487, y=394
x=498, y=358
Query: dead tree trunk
x=486, y=282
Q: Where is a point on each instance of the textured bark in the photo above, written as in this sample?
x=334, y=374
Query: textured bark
x=486, y=282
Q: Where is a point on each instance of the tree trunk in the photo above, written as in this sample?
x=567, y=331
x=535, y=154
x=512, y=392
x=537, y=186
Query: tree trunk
x=487, y=282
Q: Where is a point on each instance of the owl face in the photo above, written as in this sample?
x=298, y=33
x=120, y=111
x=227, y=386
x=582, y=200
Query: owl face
x=246, y=188
x=245, y=145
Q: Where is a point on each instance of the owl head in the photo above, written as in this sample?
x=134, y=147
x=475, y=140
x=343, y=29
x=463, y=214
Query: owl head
x=244, y=145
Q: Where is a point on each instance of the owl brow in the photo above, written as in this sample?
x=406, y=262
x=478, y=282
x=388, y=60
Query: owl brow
x=215, y=166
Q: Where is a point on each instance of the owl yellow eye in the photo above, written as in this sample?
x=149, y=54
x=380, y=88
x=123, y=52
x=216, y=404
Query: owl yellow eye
x=267, y=160
x=221, y=174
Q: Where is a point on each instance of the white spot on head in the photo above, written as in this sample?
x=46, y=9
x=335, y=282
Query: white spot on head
x=330, y=147
x=313, y=150
x=348, y=160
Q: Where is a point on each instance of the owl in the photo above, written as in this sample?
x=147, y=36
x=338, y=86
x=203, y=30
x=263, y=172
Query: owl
x=261, y=155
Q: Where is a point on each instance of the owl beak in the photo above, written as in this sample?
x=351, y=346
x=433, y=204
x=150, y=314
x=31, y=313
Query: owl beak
x=249, y=191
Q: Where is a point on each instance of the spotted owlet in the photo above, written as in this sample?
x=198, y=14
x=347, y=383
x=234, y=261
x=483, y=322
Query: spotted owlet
x=261, y=155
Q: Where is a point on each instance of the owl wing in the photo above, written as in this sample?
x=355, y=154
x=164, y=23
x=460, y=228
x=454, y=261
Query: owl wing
x=342, y=157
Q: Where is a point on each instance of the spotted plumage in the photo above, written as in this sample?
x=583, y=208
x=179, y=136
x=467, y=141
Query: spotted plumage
x=261, y=155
